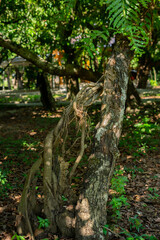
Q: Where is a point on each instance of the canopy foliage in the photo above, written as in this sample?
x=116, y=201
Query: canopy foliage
x=82, y=29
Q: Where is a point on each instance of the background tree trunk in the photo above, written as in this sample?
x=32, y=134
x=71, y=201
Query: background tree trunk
x=19, y=79
x=132, y=91
x=46, y=95
x=72, y=87
x=145, y=65
x=8, y=80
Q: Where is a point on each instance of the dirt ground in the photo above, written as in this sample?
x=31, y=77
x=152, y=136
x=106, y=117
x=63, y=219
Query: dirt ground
x=23, y=131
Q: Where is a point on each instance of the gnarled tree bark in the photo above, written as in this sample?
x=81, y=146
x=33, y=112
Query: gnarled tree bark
x=82, y=217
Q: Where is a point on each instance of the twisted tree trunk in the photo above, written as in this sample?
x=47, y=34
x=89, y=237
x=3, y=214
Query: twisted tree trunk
x=82, y=216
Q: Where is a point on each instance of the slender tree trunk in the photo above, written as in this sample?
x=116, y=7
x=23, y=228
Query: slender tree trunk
x=3, y=78
x=91, y=213
x=143, y=77
x=18, y=78
x=46, y=95
x=155, y=74
x=28, y=83
x=8, y=80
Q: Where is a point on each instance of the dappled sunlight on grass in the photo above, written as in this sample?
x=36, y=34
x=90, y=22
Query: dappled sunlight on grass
x=19, y=98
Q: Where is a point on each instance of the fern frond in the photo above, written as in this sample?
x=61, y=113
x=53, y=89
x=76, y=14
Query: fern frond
x=112, y=5
x=138, y=39
x=126, y=11
x=144, y=3
x=125, y=17
x=117, y=17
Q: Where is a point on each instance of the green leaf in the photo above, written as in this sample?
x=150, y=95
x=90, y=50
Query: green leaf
x=21, y=238
x=64, y=198
x=105, y=229
x=149, y=237
x=13, y=236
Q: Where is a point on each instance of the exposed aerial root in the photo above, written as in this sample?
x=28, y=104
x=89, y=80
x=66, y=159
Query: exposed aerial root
x=81, y=150
x=56, y=175
x=23, y=220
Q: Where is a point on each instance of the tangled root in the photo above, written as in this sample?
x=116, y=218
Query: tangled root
x=56, y=175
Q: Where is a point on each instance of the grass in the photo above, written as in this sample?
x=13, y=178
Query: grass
x=141, y=136
x=21, y=153
x=21, y=98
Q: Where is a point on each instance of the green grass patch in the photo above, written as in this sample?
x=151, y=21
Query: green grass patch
x=140, y=136
x=20, y=99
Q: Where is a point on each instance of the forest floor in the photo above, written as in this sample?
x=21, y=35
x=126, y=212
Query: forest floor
x=134, y=209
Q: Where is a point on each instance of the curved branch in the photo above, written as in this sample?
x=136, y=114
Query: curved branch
x=68, y=70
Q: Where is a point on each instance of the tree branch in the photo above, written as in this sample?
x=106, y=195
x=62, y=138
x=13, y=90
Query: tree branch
x=68, y=70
